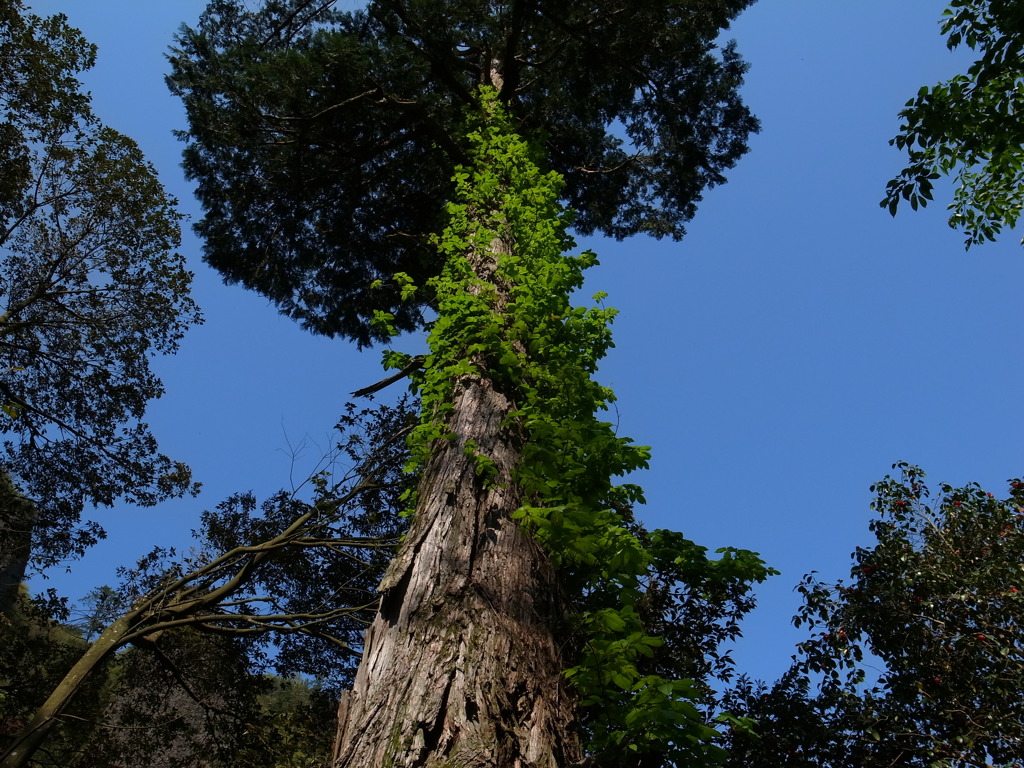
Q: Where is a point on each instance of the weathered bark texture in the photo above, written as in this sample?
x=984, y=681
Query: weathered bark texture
x=461, y=667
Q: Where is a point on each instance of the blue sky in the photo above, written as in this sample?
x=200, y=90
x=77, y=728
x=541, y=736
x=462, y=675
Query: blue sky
x=778, y=360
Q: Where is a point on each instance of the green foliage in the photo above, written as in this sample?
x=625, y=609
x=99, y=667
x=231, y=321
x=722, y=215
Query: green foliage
x=518, y=327
x=323, y=141
x=90, y=289
x=323, y=145
x=35, y=654
x=296, y=714
x=970, y=125
x=183, y=700
x=192, y=699
x=918, y=660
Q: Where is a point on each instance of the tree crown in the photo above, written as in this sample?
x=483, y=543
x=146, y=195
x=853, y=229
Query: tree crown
x=90, y=288
x=323, y=142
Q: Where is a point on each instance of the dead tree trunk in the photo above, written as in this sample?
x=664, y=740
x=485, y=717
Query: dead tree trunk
x=461, y=666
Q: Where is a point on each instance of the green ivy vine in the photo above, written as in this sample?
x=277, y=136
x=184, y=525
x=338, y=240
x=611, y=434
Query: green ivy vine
x=534, y=342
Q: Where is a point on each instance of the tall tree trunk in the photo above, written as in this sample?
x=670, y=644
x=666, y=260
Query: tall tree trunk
x=17, y=517
x=461, y=666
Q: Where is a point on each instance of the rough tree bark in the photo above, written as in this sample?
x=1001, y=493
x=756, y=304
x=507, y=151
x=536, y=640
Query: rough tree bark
x=461, y=666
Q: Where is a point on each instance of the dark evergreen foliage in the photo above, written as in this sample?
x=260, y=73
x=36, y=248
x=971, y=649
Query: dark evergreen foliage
x=323, y=142
x=189, y=701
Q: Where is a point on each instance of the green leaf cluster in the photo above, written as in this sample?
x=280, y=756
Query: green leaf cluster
x=917, y=659
x=970, y=125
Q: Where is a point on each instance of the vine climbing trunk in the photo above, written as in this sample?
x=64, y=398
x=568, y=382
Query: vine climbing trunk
x=462, y=666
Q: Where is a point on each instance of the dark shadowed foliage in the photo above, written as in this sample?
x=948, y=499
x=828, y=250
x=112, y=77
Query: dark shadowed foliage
x=90, y=289
x=323, y=142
